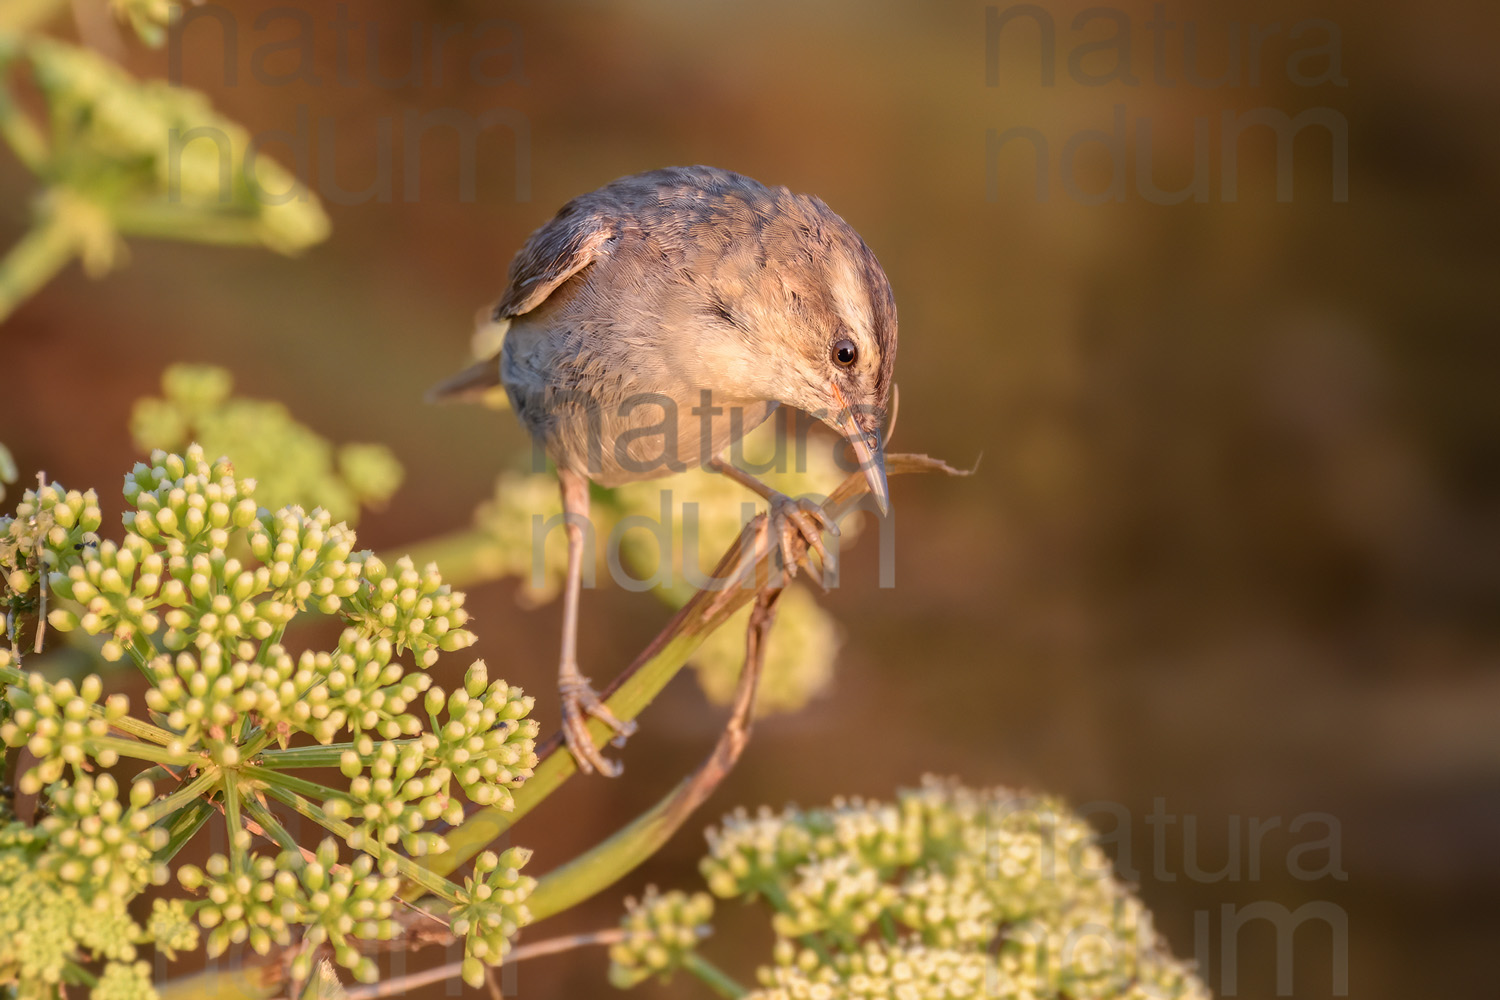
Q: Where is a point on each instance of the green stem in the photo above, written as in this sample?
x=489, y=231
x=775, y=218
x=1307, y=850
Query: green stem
x=233, y=821
x=407, y=868
x=141, y=729
x=717, y=979
x=292, y=783
x=271, y=826
x=313, y=756
x=611, y=860
x=199, y=787
x=155, y=220
x=182, y=826
x=774, y=893
x=45, y=250
x=487, y=824
x=142, y=652
x=605, y=863
x=21, y=133
x=146, y=751
x=254, y=743
x=77, y=975
x=644, y=679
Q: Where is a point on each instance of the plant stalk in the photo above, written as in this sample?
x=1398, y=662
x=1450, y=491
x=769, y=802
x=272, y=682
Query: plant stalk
x=716, y=978
x=199, y=787
x=44, y=251
x=409, y=870
x=612, y=860
x=640, y=683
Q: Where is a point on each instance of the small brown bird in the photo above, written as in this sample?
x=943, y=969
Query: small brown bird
x=656, y=320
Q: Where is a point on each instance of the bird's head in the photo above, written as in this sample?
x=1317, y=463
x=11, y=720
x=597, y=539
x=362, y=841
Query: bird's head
x=839, y=343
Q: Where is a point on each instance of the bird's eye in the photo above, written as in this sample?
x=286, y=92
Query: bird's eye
x=845, y=353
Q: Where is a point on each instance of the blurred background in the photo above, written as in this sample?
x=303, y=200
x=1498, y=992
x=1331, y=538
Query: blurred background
x=1233, y=552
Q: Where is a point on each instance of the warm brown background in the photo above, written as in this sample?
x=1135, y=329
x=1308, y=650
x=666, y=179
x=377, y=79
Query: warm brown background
x=1234, y=540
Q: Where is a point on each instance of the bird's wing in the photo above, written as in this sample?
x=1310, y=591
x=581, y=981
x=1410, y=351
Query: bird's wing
x=570, y=242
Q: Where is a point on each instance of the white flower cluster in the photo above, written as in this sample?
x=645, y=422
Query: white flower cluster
x=946, y=892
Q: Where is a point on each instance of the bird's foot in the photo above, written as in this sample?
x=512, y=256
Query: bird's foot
x=799, y=520
x=580, y=702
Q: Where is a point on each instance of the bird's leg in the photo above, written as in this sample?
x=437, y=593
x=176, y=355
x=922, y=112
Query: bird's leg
x=788, y=518
x=579, y=700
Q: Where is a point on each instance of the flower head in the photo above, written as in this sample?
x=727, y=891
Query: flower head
x=199, y=592
x=491, y=908
x=945, y=892
x=661, y=931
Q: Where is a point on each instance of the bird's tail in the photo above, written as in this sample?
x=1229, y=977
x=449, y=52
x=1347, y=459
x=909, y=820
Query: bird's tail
x=472, y=385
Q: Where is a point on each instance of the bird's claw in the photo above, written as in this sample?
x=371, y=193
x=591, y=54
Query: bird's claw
x=580, y=702
x=791, y=518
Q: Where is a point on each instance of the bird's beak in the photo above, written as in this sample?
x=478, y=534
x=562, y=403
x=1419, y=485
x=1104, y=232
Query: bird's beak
x=867, y=450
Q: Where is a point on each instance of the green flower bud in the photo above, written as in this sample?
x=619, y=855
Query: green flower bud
x=492, y=908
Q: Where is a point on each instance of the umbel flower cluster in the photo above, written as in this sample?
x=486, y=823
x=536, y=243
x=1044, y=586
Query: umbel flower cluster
x=199, y=594
x=945, y=892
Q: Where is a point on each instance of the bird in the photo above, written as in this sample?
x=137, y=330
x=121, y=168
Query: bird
x=653, y=322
